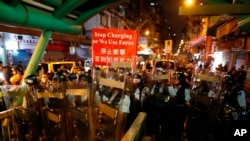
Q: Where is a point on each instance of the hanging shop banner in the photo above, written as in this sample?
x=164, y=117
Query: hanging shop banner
x=168, y=46
x=113, y=45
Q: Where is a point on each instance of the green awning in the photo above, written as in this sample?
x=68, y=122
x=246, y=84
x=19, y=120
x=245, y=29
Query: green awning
x=211, y=31
x=244, y=23
x=227, y=28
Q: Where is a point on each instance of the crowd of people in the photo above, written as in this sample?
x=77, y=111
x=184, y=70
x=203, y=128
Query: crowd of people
x=32, y=121
x=198, y=104
x=173, y=104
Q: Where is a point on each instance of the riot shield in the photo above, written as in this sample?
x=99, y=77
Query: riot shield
x=212, y=84
x=52, y=103
x=13, y=95
x=111, y=103
x=78, y=109
x=205, y=95
x=159, y=89
x=9, y=118
x=22, y=103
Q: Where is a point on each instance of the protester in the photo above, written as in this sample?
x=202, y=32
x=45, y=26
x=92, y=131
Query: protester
x=16, y=78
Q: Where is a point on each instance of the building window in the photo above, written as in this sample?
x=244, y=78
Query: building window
x=104, y=19
x=114, y=22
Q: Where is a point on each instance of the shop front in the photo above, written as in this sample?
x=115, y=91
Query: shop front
x=16, y=48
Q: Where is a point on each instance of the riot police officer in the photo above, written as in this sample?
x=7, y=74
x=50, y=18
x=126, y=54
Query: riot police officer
x=200, y=120
x=59, y=86
x=81, y=83
x=31, y=111
x=179, y=92
x=233, y=112
x=135, y=98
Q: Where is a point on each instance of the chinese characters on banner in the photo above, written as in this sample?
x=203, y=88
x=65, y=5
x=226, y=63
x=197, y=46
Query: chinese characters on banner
x=113, y=45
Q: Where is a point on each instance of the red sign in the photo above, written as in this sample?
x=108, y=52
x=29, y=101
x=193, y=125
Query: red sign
x=56, y=47
x=113, y=45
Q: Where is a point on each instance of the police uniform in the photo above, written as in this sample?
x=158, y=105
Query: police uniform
x=31, y=111
x=233, y=113
x=173, y=127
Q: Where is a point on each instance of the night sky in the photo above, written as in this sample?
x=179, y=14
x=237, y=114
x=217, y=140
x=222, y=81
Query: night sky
x=171, y=10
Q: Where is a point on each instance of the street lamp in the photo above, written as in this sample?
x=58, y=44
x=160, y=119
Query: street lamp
x=189, y=2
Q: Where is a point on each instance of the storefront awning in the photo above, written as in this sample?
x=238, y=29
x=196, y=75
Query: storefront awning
x=244, y=23
x=240, y=23
x=197, y=41
x=227, y=28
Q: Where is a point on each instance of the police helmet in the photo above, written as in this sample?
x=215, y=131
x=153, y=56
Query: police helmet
x=136, y=78
x=197, y=79
x=85, y=77
x=31, y=79
x=119, y=77
x=72, y=76
x=59, y=77
x=180, y=76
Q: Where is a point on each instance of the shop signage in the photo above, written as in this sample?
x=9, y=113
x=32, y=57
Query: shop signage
x=227, y=28
x=233, y=45
x=113, y=45
x=168, y=46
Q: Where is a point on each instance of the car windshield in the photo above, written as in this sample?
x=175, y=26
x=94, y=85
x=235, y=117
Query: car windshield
x=65, y=66
x=164, y=65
